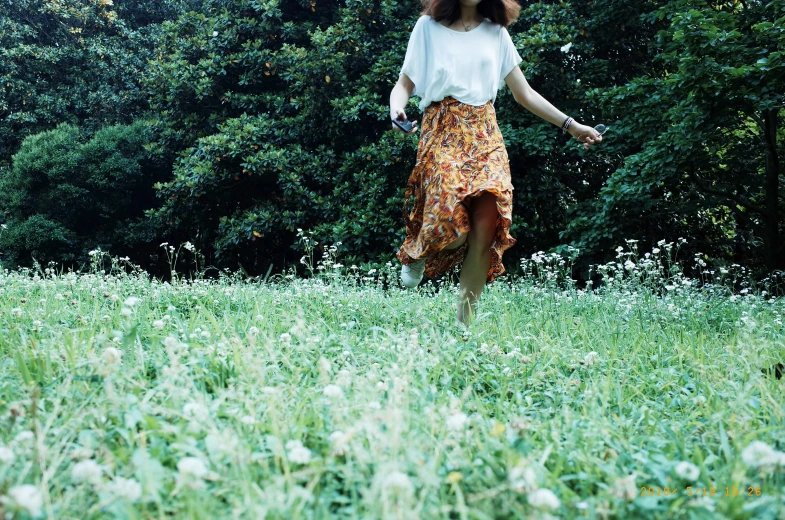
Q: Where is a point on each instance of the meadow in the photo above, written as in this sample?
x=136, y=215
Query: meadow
x=340, y=395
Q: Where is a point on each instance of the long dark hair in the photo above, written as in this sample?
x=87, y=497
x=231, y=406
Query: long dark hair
x=503, y=12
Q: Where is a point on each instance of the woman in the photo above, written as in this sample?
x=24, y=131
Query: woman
x=459, y=53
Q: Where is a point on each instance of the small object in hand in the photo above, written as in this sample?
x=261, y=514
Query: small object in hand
x=601, y=129
x=404, y=125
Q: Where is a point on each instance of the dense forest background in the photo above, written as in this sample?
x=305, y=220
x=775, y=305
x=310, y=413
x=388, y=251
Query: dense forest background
x=234, y=123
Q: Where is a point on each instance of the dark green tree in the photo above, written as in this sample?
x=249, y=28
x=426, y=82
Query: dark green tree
x=69, y=193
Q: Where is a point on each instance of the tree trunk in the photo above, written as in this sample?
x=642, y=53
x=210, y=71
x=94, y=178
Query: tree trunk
x=771, y=234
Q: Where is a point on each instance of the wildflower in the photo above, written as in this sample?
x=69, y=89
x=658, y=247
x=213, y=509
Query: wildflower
x=112, y=356
x=760, y=455
x=196, y=411
x=625, y=487
x=192, y=467
x=189, y=246
x=454, y=477
x=6, y=455
x=24, y=436
x=286, y=337
x=523, y=478
x=86, y=471
x=340, y=442
x=591, y=358
x=132, y=301
x=333, y=391
x=158, y=324
x=544, y=499
x=16, y=312
x=398, y=483
x=125, y=311
x=687, y=470
x=26, y=497
x=125, y=488
x=457, y=421
x=215, y=33
x=253, y=331
x=566, y=48
x=298, y=453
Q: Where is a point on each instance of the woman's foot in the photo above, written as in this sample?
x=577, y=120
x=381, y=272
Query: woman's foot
x=412, y=273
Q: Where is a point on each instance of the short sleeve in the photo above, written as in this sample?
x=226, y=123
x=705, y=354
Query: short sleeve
x=509, y=55
x=414, y=64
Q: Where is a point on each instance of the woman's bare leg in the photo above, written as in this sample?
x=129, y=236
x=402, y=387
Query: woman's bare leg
x=474, y=272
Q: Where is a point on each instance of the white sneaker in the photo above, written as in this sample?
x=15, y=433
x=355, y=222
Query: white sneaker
x=412, y=273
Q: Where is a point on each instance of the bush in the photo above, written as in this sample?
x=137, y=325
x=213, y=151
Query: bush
x=69, y=192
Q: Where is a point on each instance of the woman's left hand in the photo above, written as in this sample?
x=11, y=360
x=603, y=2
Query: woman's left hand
x=585, y=134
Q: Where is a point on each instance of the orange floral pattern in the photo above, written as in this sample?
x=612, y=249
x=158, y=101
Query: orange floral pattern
x=461, y=154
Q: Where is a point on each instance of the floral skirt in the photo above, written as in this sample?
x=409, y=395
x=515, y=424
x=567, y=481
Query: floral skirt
x=461, y=155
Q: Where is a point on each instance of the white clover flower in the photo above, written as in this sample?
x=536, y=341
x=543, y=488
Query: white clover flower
x=16, y=312
x=247, y=419
x=625, y=487
x=125, y=311
x=269, y=390
x=325, y=365
x=112, y=356
x=24, y=436
x=298, y=453
x=192, y=467
x=253, y=331
x=86, y=471
x=196, y=411
x=340, y=443
x=398, y=483
x=26, y=497
x=333, y=391
x=132, y=301
x=544, y=499
x=6, y=455
x=189, y=246
x=591, y=358
x=457, y=421
x=124, y=488
x=760, y=455
x=158, y=324
x=286, y=337
x=687, y=470
x=523, y=478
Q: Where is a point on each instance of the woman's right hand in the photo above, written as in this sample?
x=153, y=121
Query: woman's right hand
x=400, y=115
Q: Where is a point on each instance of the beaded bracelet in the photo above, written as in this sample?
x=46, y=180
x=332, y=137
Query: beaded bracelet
x=566, y=125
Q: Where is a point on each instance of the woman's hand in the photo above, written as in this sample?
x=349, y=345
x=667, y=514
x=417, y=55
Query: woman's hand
x=400, y=115
x=585, y=134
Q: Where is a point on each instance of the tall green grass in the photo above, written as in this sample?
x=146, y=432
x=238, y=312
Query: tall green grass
x=342, y=395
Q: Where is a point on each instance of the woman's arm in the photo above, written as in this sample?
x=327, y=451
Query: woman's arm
x=539, y=106
x=398, y=98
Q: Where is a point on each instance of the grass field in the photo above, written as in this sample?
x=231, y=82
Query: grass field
x=336, y=396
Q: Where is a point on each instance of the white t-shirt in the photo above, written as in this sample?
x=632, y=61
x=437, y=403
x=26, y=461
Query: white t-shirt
x=468, y=66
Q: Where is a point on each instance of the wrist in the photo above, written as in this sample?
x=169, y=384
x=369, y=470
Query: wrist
x=567, y=124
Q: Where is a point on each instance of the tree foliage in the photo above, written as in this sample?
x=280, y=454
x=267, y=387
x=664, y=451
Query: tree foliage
x=69, y=193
